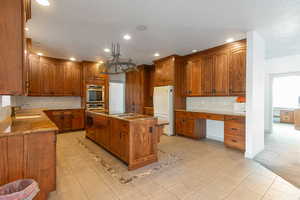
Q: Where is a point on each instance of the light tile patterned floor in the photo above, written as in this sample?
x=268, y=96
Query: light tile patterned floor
x=206, y=170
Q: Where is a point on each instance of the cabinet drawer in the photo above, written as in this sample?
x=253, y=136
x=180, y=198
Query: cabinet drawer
x=234, y=128
x=215, y=117
x=100, y=120
x=239, y=119
x=181, y=114
x=236, y=142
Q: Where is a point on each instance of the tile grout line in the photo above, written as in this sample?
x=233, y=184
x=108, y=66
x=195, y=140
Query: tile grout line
x=269, y=187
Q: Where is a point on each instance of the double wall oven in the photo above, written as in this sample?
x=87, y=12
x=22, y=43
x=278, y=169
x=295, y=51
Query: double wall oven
x=95, y=98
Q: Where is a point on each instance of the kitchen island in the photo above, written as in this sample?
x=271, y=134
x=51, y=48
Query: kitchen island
x=131, y=137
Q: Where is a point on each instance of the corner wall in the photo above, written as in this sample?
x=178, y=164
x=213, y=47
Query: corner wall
x=255, y=82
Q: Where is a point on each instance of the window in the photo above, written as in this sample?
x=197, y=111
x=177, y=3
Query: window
x=286, y=91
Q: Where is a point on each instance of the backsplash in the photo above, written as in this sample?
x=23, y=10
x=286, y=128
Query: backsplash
x=5, y=106
x=215, y=129
x=210, y=103
x=48, y=102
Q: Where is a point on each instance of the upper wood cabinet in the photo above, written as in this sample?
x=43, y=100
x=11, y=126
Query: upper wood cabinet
x=165, y=71
x=92, y=71
x=237, y=71
x=134, y=92
x=220, y=71
x=72, y=79
x=53, y=77
x=193, y=77
x=207, y=75
x=12, y=47
x=220, y=75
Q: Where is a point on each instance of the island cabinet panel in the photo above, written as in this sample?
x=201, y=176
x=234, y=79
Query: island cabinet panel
x=12, y=47
x=193, y=77
x=29, y=156
x=237, y=71
x=133, y=141
x=53, y=77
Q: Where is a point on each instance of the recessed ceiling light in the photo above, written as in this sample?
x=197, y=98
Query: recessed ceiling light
x=26, y=29
x=39, y=54
x=127, y=37
x=106, y=50
x=156, y=54
x=229, y=40
x=194, y=51
x=72, y=59
x=43, y=2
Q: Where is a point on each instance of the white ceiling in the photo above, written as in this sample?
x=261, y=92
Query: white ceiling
x=83, y=28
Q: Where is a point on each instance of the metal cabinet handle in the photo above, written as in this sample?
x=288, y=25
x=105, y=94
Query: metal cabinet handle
x=234, y=141
x=234, y=129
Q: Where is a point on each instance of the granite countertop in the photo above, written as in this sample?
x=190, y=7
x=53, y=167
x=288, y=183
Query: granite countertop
x=218, y=112
x=122, y=116
x=26, y=122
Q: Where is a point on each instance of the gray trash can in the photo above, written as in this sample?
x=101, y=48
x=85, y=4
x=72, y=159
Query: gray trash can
x=24, y=189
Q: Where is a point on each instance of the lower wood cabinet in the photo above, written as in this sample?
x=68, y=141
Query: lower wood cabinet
x=234, y=132
x=188, y=126
x=67, y=120
x=287, y=116
x=149, y=111
x=193, y=125
x=29, y=156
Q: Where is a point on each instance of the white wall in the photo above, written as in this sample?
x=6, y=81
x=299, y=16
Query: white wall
x=275, y=67
x=255, y=94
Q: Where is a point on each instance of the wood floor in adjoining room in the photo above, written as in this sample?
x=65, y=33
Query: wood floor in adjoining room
x=282, y=152
x=187, y=170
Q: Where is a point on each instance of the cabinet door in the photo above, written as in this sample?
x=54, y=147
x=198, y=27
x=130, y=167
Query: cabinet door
x=193, y=78
x=67, y=120
x=11, y=47
x=124, y=145
x=134, y=92
x=40, y=163
x=48, y=73
x=165, y=72
x=237, y=72
x=78, y=119
x=34, y=76
x=58, y=119
x=207, y=75
x=72, y=79
x=221, y=74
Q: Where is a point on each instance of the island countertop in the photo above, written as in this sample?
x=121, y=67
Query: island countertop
x=27, y=121
x=122, y=116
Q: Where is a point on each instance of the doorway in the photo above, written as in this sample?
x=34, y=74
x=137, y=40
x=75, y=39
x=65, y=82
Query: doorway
x=282, y=143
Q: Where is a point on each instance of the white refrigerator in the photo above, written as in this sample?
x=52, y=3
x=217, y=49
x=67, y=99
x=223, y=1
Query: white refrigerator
x=164, y=107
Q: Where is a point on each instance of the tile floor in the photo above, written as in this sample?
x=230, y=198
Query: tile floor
x=282, y=152
x=203, y=170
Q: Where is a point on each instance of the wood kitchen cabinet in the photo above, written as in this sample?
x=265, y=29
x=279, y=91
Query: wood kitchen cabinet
x=287, y=116
x=134, y=92
x=220, y=71
x=53, y=77
x=220, y=77
x=133, y=141
x=234, y=132
x=194, y=77
x=188, y=125
x=237, y=71
x=14, y=14
x=165, y=71
x=29, y=156
x=67, y=120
